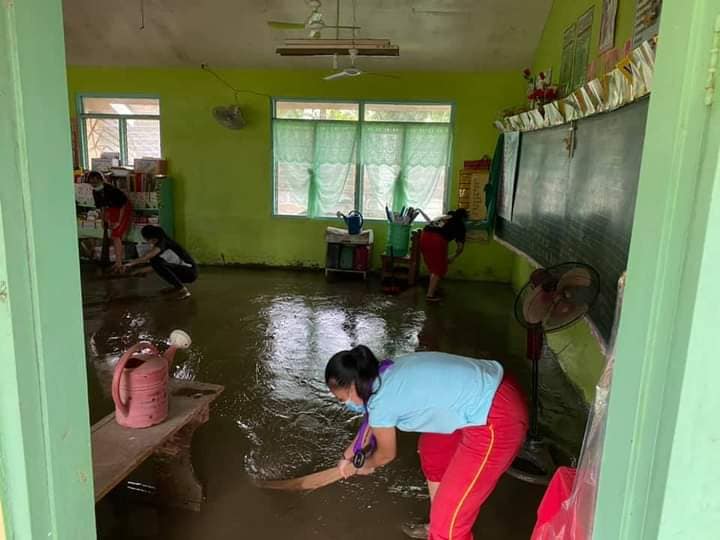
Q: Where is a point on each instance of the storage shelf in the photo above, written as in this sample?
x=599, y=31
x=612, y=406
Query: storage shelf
x=342, y=271
x=152, y=210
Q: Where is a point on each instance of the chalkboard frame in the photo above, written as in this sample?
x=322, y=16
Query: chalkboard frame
x=575, y=198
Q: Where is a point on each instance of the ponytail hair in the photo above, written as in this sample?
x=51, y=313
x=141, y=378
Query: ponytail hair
x=460, y=214
x=357, y=366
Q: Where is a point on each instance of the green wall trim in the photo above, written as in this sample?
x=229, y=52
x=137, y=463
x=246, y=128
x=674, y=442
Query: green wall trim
x=46, y=485
x=223, y=178
x=660, y=475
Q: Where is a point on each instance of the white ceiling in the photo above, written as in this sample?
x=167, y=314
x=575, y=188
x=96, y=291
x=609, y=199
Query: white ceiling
x=447, y=35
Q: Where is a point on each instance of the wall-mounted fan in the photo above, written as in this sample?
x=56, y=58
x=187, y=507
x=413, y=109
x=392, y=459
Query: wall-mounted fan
x=229, y=116
x=552, y=299
x=315, y=23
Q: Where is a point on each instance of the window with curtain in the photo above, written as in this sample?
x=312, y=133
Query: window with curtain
x=342, y=156
x=127, y=126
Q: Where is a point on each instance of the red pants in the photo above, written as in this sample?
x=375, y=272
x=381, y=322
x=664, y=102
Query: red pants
x=119, y=220
x=469, y=462
x=434, y=249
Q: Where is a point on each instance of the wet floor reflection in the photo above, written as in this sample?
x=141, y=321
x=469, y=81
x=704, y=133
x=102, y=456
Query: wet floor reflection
x=266, y=336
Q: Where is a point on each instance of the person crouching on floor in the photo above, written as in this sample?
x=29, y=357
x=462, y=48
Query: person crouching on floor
x=168, y=259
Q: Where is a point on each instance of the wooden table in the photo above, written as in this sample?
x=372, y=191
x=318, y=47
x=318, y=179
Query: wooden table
x=117, y=451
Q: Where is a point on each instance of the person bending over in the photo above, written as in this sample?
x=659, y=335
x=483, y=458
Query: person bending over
x=434, y=242
x=116, y=212
x=471, y=416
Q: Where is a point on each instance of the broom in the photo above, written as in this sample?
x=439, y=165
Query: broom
x=105, y=250
x=308, y=482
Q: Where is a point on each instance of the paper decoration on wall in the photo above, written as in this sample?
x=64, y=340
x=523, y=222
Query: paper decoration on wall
x=506, y=195
x=568, y=55
x=647, y=20
x=582, y=48
x=607, y=25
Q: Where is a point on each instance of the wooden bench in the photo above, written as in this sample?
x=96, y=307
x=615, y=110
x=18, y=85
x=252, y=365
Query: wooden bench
x=118, y=451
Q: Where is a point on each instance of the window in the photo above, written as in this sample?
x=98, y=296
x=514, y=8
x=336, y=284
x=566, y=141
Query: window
x=128, y=126
x=342, y=156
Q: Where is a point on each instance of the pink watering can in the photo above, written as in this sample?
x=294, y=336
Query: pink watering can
x=140, y=382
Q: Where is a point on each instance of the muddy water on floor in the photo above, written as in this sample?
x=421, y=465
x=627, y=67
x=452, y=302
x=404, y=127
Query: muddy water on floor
x=266, y=336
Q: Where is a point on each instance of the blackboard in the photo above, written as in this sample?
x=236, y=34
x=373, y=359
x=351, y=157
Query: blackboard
x=580, y=208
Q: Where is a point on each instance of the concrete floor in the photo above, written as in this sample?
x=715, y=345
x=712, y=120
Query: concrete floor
x=266, y=335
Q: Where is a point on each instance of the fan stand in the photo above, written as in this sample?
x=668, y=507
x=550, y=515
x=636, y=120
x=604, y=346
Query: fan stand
x=534, y=464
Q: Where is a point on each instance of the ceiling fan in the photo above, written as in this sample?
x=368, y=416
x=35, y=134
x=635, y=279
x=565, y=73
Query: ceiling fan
x=351, y=70
x=315, y=23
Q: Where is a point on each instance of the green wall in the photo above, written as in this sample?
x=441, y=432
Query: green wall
x=566, y=12
x=224, y=203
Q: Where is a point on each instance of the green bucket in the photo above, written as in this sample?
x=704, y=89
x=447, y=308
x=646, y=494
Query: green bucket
x=398, y=239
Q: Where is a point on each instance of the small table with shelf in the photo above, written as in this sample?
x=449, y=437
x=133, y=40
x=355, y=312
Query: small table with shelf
x=348, y=253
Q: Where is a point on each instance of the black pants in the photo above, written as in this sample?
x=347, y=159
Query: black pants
x=175, y=274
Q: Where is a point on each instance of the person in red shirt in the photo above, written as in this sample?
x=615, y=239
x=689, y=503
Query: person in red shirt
x=116, y=212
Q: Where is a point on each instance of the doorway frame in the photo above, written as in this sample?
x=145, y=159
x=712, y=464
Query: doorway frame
x=651, y=485
x=46, y=486
x=46, y=475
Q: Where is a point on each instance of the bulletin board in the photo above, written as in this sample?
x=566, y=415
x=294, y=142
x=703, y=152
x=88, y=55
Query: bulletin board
x=582, y=48
x=647, y=20
x=568, y=56
x=472, y=187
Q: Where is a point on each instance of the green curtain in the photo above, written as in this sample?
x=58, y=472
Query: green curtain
x=403, y=164
x=315, y=165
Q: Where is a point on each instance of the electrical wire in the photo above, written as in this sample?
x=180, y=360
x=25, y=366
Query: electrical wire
x=236, y=91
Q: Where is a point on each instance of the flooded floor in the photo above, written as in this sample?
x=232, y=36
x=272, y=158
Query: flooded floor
x=266, y=336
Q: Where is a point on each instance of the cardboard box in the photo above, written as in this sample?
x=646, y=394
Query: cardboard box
x=151, y=166
x=101, y=164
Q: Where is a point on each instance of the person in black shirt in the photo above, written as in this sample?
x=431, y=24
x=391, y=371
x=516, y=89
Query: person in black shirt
x=168, y=259
x=434, y=245
x=116, y=212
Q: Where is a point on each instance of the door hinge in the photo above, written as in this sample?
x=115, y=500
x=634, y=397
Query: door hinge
x=714, y=61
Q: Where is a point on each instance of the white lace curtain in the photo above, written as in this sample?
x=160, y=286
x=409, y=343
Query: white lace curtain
x=315, y=164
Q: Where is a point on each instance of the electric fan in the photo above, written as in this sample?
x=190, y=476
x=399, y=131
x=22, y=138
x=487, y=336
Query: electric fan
x=229, y=116
x=552, y=299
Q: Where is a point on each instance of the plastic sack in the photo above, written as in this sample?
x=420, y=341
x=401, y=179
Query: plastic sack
x=574, y=518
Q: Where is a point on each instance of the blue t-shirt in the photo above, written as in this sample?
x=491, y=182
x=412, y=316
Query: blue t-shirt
x=432, y=392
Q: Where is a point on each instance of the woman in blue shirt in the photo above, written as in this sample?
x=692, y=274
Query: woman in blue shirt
x=472, y=420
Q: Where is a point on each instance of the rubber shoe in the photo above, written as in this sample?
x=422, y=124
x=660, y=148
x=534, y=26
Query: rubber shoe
x=416, y=530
